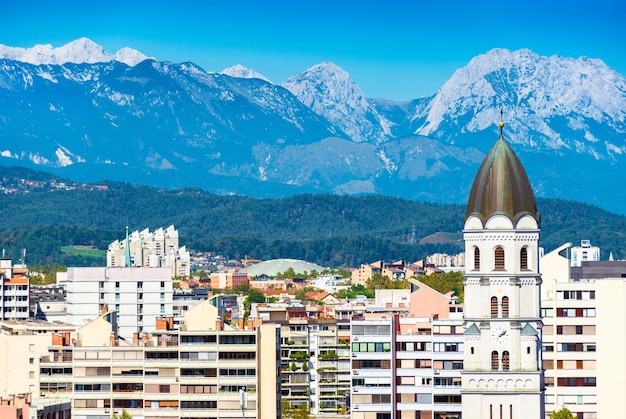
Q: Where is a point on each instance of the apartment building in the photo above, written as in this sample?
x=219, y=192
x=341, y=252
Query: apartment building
x=397, y=270
x=138, y=295
x=204, y=370
x=583, y=253
x=156, y=249
x=22, y=343
x=14, y=291
x=408, y=364
x=583, y=339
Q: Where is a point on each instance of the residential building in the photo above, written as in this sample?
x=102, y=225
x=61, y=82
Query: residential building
x=24, y=406
x=229, y=279
x=156, y=249
x=584, y=252
x=503, y=374
x=397, y=270
x=138, y=295
x=204, y=370
x=14, y=291
x=583, y=341
x=22, y=343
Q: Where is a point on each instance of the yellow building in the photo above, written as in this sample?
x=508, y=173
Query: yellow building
x=206, y=369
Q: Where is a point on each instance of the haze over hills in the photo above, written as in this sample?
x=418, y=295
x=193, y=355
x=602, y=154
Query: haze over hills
x=176, y=125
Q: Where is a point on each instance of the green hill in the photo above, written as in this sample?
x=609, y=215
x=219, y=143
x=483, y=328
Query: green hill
x=330, y=230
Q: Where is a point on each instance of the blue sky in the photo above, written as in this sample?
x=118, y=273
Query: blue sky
x=397, y=50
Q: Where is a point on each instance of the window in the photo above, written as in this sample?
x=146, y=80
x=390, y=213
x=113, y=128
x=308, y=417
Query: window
x=523, y=259
x=31, y=360
x=494, y=361
x=494, y=307
x=499, y=259
x=476, y=258
x=505, y=360
x=31, y=374
x=505, y=306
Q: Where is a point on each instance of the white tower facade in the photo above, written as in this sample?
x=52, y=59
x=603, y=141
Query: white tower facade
x=502, y=376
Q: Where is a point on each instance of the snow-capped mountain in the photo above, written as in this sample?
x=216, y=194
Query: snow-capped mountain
x=550, y=103
x=242, y=72
x=176, y=125
x=80, y=51
x=330, y=92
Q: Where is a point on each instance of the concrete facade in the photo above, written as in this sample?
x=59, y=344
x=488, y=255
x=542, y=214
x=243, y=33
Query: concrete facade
x=138, y=295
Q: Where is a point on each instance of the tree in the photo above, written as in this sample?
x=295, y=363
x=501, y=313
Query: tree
x=301, y=411
x=125, y=415
x=380, y=281
x=445, y=282
x=564, y=413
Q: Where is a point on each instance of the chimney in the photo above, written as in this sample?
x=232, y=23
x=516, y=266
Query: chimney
x=104, y=309
x=144, y=338
x=113, y=339
x=170, y=323
x=135, y=339
x=218, y=324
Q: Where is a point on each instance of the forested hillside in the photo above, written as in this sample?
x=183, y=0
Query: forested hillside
x=330, y=230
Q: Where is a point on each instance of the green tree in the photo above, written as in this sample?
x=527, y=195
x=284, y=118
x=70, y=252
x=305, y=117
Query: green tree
x=124, y=415
x=445, y=282
x=564, y=413
x=380, y=281
x=301, y=411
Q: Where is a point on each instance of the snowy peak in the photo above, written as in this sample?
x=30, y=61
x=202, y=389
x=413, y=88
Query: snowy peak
x=549, y=102
x=330, y=92
x=80, y=51
x=242, y=72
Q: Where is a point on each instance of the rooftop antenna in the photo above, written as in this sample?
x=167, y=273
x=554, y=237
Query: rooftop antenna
x=501, y=123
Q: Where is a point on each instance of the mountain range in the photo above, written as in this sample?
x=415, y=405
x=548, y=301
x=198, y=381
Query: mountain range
x=82, y=113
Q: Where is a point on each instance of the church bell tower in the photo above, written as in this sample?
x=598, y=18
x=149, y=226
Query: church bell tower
x=502, y=376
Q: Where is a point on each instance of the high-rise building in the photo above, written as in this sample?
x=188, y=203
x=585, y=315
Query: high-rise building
x=583, y=339
x=14, y=291
x=138, y=295
x=155, y=249
x=502, y=373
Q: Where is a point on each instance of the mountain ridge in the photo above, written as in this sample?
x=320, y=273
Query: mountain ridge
x=234, y=132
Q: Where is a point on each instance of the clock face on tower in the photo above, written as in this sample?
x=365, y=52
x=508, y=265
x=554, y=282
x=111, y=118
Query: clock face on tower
x=499, y=335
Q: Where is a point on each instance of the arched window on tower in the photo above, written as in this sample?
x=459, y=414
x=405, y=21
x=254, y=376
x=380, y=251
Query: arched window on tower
x=523, y=258
x=495, y=361
x=498, y=256
x=476, y=259
x=505, y=360
x=505, y=306
x=494, y=307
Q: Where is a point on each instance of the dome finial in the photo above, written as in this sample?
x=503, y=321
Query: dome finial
x=501, y=123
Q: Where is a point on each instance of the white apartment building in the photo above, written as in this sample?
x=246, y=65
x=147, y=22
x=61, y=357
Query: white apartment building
x=14, y=291
x=584, y=252
x=156, y=249
x=138, y=295
x=583, y=340
x=406, y=367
